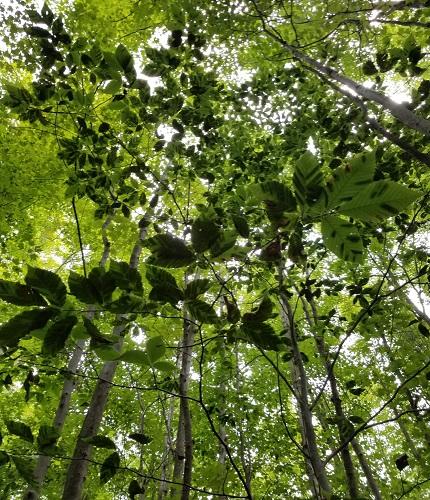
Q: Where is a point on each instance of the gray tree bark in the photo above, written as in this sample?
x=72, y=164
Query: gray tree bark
x=78, y=468
x=69, y=385
x=319, y=483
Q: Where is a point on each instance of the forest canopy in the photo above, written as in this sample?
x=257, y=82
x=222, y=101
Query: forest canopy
x=214, y=267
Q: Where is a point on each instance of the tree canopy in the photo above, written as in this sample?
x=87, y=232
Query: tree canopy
x=214, y=227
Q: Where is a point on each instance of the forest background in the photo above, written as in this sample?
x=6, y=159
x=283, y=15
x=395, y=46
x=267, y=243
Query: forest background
x=214, y=240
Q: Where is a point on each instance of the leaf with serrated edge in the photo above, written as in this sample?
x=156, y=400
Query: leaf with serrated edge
x=342, y=238
x=349, y=180
x=48, y=284
x=379, y=200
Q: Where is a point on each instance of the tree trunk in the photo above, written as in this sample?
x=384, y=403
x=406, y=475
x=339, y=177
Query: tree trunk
x=182, y=470
x=244, y=455
x=317, y=477
x=166, y=461
x=348, y=465
x=168, y=444
x=69, y=385
x=78, y=468
x=365, y=467
x=222, y=452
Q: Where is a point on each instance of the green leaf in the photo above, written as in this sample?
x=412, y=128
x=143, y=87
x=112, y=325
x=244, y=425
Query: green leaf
x=224, y=243
x=4, y=458
x=349, y=180
x=241, y=225
x=261, y=313
x=57, y=335
x=25, y=468
x=201, y=311
x=83, y=289
x=342, y=238
x=423, y=330
x=47, y=14
x=379, y=200
x=97, y=339
x=124, y=58
x=355, y=419
x=196, y=287
x=112, y=87
x=135, y=489
x=103, y=282
x=48, y=284
x=155, y=276
x=100, y=442
x=105, y=352
x=20, y=295
x=126, y=278
x=204, y=233
x=38, y=32
x=22, y=324
x=47, y=437
x=79, y=332
x=261, y=334
x=166, y=293
x=164, y=286
x=155, y=348
x=276, y=195
x=127, y=303
x=369, y=68
x=140, y=438
x=20, y=429
x=109, y=467
x=164, y=366
x=402, y=462
x=135, y=356
x=307, y=179
x=168, y=251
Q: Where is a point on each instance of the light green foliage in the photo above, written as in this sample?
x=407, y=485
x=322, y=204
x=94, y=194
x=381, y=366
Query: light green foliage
x=207, y=171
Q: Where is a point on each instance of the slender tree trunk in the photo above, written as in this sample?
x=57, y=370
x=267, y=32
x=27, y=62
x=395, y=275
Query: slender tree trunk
x=179, y=455
x=316, y=472
x=365, y=467
x=78, y=468
x=166, y=460
x=407, y=436
x=168, y=443
x=222, y=453
x=185, y=407
x=183, y=463
x=348, y=465
x=349, y=468
x=69, y=385
x=244, y=455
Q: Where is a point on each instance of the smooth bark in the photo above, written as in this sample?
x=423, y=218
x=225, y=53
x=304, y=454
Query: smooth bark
x=182, y=471
x=78, y=468
x=348, y=465
x=69, y=385
x=365, y=467
x=319, y=483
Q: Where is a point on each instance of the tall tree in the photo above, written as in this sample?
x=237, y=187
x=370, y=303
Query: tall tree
x=261, y=145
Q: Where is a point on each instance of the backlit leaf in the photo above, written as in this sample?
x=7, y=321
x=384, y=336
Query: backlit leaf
x=48, y=284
